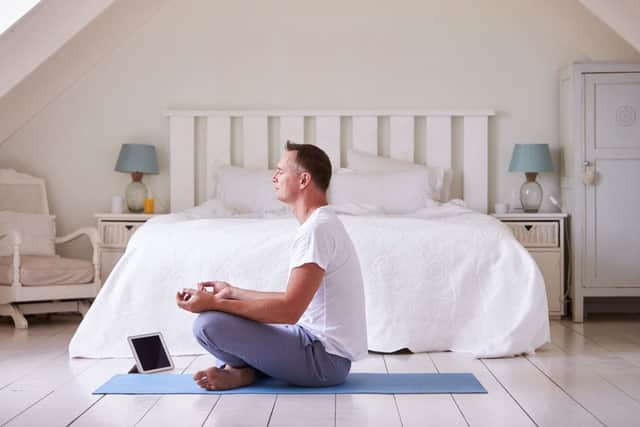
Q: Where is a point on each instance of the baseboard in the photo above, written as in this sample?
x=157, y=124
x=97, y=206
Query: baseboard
x=612, y=305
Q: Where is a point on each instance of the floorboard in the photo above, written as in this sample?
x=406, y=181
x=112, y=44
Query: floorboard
x=589, y=375
x=183, y=410
x=496, y=408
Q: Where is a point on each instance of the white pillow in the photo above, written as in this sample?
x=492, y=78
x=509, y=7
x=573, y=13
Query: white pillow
x=38, y=232
x=212, y=208
x=357, y=209
x=393, y=192
x=244, y=190
x=438, y=179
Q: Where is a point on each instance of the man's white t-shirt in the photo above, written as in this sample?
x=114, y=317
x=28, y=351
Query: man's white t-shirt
x=336, y=314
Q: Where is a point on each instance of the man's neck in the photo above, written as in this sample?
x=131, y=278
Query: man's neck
x=303, y=209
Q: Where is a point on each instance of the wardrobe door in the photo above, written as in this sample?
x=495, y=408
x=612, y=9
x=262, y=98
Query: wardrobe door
x=612, y=153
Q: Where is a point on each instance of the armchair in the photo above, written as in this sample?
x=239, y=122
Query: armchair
x=33, y=278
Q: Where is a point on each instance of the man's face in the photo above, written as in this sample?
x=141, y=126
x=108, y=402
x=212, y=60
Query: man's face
x=286, y=179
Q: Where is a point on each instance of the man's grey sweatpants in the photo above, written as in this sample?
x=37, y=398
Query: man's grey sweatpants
x=286, y=352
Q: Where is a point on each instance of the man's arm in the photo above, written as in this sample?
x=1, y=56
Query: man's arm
x=227, y=290
x=247, y=294
x=278, y=307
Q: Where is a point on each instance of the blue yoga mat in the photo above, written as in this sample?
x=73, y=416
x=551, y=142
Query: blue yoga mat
x=359, y=383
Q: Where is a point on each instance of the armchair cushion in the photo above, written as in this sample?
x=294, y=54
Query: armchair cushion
x=38, y=232
x=47, y=270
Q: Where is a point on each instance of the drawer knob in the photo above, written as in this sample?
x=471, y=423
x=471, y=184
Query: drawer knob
x=528, y=227
x=128, y=227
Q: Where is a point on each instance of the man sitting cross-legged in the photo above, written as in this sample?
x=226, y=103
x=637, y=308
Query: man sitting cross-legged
x=309, y=334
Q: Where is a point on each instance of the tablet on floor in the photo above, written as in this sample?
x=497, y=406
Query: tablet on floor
x=150, y=352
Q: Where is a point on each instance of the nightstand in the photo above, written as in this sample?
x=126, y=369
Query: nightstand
x=543, y=235
x=115, y=231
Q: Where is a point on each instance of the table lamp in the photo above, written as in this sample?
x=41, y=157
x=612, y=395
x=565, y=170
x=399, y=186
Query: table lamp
x=137, y=159
x=531, y=159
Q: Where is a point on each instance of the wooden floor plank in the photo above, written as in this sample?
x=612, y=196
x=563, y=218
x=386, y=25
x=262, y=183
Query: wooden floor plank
x=608, y=403
x=71, y=399
x=25, y=392
x=612, y=366
x=32, y=355
x=289, y=410
x=367, y=409
x=545, y=402
x=242, y=410
x=116, y=409
x=183, y=410
x=423, y=409
x=14, y=402
x=589, y=375
x=51, y=374
x=622, y=338
x=373, y=362
x=496, y=408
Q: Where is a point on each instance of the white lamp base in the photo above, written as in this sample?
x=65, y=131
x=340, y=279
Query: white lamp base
x=136, y=193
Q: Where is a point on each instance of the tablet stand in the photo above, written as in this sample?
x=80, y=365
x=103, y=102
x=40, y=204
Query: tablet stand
x=134, y=370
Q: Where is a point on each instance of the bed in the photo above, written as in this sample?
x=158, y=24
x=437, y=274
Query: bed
x=445, y=276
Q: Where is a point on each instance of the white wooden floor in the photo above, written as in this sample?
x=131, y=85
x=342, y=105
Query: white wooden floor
x=589, y=375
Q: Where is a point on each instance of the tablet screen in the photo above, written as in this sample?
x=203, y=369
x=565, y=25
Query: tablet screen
x=150, y=352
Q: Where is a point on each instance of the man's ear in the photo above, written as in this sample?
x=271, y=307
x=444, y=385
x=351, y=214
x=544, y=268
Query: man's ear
x=306, y=178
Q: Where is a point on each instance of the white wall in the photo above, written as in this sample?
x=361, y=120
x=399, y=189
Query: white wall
x=499, y=54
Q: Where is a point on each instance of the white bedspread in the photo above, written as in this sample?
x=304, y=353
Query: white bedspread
x=446, y=278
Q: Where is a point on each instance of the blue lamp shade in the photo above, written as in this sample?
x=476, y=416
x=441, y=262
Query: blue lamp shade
x=531, y=158
x=137, y=158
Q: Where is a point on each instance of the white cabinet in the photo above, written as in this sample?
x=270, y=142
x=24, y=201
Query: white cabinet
x=600, y=168
x=550, y=264
x=543, y=235
x=115, y=231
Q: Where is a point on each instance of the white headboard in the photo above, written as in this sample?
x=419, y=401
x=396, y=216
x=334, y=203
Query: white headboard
x=244, y=138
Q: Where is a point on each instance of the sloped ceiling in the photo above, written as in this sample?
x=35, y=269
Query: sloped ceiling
x=58, y=42
x=623, y=16
x=54, y=45
x=41, y=32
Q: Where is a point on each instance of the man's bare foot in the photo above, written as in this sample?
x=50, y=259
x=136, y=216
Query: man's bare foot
x=224, y=379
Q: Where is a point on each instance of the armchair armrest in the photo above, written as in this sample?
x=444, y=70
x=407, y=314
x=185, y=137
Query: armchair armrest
x=17, y=238
x=91, y=233
x=17, y=241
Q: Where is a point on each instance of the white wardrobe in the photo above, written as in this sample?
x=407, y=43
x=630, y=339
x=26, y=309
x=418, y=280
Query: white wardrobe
x=600, y=168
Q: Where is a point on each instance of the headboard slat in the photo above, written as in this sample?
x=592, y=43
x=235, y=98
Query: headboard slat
x=365, y=134
x=402, y=138
x=439, y=141
x=218, y=149
x=181, y=164
x=476, y=163
x=255, y=137
x=291, y=129
x=328, y=137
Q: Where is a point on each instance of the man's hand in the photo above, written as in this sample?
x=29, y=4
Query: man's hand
x=196, y=301
x=220, y=289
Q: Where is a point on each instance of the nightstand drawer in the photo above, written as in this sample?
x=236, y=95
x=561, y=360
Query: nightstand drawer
x=117, y=234
x=536, y=234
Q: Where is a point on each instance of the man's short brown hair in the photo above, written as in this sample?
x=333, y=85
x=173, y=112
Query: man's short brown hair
x=315, y=161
